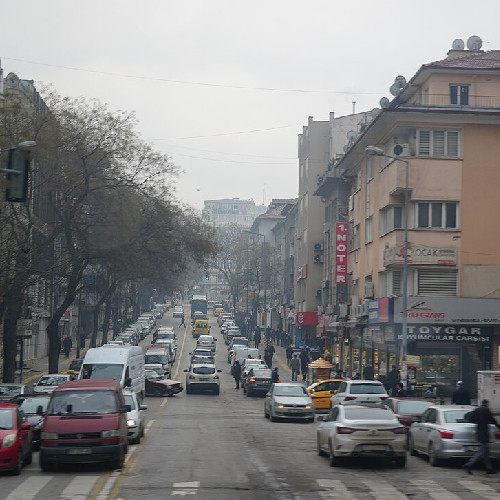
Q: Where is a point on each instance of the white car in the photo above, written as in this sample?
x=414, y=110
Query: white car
x=202, y=377
x=178, y=312
x=288, y=400
x=206, y=341
x=136, y=418
x=361, y=430
x=47, y=383
x=355, y=392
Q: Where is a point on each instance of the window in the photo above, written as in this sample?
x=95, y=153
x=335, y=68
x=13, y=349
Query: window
x=437, y=282
x=369, y=230
x=355, y=241
x=358, y=181
x=438, y=143
x=389, y=283
x=459, y=94
x=390, y=218
x=437, y=215
x=369, y=169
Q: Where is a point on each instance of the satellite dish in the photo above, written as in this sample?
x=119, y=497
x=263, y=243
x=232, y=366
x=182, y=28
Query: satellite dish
x=351, y=135
x=400, y=80
x=395, y=89
x=474, y=43
x=384, y=102
x=376, y=111
x=458, y=44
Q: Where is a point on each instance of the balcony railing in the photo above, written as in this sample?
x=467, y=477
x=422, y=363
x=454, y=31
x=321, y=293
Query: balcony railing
x=474, y=101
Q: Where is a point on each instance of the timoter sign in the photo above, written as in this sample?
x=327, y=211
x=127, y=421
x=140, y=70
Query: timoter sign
x=341, y=239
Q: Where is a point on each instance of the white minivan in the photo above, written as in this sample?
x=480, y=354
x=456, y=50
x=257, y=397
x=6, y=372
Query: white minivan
x=122, y=363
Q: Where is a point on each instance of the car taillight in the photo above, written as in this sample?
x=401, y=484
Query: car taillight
x=497, y=436
x=349, y=398
x=252, y=380
x=446, y=434
x=345, y=430
x=398, y=430
x=191, y=377
x=383, y=397
x=198, y=342
x=216, y=377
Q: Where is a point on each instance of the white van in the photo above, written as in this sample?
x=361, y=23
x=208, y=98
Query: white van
x=122, y=363
x=158, y=357
x=241, y=353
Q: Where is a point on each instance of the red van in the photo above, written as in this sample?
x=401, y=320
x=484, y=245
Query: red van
x=86, y=422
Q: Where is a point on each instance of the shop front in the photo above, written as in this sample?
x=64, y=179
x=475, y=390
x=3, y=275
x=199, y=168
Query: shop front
x=305, y=328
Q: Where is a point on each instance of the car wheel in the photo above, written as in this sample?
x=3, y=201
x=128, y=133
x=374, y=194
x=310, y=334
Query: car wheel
x=334, y=461
x=401, y=461
x=272, y=417
x=157, y=392
x=411, y=447
x=321, y=453
x=188, y=390
x=265, y=413
x=217, y=391
x=433, y=460
x=118, y=462
x=29, y=457
x=142, y=432
x=19, y=465
x=44, y=464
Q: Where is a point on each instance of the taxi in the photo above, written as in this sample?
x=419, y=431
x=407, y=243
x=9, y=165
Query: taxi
x=201, y=327
x=322, y=391
x=218, y=311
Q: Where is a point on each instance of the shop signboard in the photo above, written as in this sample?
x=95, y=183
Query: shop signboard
x=413, y=361
x=306, y=319
x=448, y=333
x=341, y=240
x=449, y=311
x=421, y=255
x=381, y=311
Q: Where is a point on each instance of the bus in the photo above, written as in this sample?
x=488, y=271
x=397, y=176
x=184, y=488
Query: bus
x=199, y=303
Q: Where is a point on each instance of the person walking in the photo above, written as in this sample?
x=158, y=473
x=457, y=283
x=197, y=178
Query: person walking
x=269, y=353
x=67, y=345
x=289, y=354
x=460, y=395
x=182, y=323
x=237, y=373
x=295, y=366
x=304, y=361
x=482, y=417
x=400, y=391
x=392, y=381
x=275, y=376
x=368, y=373
x=257, y=338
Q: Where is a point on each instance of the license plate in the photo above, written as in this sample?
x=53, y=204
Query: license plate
x=203, y=379
x=80, y=451
x=470, y=448
x=369, y=447
x=297, y=410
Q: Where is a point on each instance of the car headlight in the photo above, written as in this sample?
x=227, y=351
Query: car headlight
x=110, y=433
x=308, y=406
x=50, y=435
x=9, y=440
x=131, y=422
x=280, y=406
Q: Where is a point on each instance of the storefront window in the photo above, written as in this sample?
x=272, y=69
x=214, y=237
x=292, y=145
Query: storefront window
x=439, y=370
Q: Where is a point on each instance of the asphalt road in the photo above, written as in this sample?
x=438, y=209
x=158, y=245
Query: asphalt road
x=221, y=447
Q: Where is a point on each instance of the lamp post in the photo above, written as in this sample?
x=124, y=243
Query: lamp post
x=374, y=151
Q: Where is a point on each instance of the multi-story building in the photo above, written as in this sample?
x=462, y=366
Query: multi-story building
x=439, y=141
x=231, y=211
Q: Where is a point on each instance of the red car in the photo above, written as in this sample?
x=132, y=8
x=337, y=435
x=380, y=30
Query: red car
x=159, y=386
x=407, y=408
x=15, y=438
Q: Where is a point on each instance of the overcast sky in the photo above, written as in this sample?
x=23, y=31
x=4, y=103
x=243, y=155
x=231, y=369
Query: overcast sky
x=225, y=86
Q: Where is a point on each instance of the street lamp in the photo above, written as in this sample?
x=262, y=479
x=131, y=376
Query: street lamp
x=374, y=151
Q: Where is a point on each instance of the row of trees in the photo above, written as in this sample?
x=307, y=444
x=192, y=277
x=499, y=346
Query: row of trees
x=100, y=198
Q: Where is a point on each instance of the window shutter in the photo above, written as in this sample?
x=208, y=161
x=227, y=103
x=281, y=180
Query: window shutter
x=424, y=142
x=438, y=282
x=438, y=143
x=452, y=143
x=396, y=282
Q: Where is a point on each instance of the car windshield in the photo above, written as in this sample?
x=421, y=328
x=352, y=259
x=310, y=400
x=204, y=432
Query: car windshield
x=455, y=416
x=91, y=401
x=289, y=390
x=204, y=370
x=30, y=405
x=76, y=364
x=413, y=407
x=203, y=353
x=155, y=359
x=262, y=373
x=6, y=420
x=10, y=390
x=166, y=335
x=50, y=380
x=152, y=375
x=101, y=370
x=368, y=413
x=129, y=400
x=367, y=389
x=206, y=338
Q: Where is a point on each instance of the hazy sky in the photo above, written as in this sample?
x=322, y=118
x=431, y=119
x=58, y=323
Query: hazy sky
x=225, y=86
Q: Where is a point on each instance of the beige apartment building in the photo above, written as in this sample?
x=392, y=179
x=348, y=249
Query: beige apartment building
x=442, y=129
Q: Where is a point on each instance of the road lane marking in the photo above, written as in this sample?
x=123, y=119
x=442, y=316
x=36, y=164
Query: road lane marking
x=28, y=489
x=480, y=489
x=190, y=484
x=336, y=489
x=103, y=494
x=382, y=490
x=178, y=358
x=79, y=488
x=433, y=489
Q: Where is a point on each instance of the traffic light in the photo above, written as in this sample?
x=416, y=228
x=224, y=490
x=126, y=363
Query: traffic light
x=17, y=181
x=207, y=275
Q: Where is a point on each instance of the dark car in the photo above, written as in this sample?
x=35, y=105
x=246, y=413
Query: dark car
x=34, y=407
x=158, y=386
x=258, y=381
x=406, y=409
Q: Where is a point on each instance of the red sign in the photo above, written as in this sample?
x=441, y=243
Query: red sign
x=306, y=318
x=302, y=272
x=341, y=238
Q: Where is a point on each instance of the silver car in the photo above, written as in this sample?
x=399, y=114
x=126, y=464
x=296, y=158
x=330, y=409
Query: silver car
x=136, y=418
x=288, y=400
x=443, y=432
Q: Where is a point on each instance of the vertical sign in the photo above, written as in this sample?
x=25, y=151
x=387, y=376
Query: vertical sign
x=341, y=235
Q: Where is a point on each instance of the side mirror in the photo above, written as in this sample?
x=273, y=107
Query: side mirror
x=320, y=418
x=215, y=340
x=219, y=371
x=190, y=353
x=39, y=410
x=186, y=370
x=25, y=426
x=143, y=407
x=312, y=390
x=125, y=409
x=128, y=382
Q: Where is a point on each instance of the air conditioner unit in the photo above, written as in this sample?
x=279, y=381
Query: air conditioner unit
x=318, y=247
x=318, y=292
x=356, y=311
x=318, y=259
x=369, y=289
x=364, y=307
x=401, y=150
x=326, y=284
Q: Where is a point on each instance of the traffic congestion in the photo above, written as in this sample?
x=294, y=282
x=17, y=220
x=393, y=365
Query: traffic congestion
x=204, y=395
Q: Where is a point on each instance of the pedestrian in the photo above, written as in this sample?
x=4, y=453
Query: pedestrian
x=304, y=361
x=295, y=366
x=340, y=373
x=392, y=380
x=328, y=356
x=357, y=376
x=275, y=376
x=237, y=373
x=182, y=323
x=482, y=417
x=368, y=373
x=257, y=337
x=400, y=391
x=289, y=354
x=67, y=345
x=460, y=395
x=269, y=353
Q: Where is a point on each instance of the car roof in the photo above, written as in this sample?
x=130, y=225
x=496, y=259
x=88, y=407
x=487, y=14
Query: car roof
x=89, y=384
x=453, y=407
x=197, y=365
x=6, y=406
x=287, y=384
x=375, y=382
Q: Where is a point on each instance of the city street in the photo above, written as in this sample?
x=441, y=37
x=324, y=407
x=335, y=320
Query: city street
x=222, y=447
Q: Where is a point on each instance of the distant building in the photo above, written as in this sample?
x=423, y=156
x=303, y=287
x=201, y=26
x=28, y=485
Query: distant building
x=231, y=211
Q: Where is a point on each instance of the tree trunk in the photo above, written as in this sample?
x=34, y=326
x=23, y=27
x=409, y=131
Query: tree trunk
x=105, y=322
x=10, y=340
x=95, y=328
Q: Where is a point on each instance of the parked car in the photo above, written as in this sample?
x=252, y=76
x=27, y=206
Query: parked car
x=136, y=417
x=321, y=392
x=406, y=409
x=288, y=400
x=8, y=391
x=156, y=385
x=47, y=383
x=443, y=432
x=34, y=407
x=355, y=392
x=202, y=377
x=361, y=431
x=15, y=439
x=258, y=381
x=248, y=364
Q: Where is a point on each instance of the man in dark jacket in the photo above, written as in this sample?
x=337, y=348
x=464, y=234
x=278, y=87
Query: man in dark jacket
x=275, y=376
x=482, y=417
x=237, y=373
x=289, y=355
x=460, y=395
